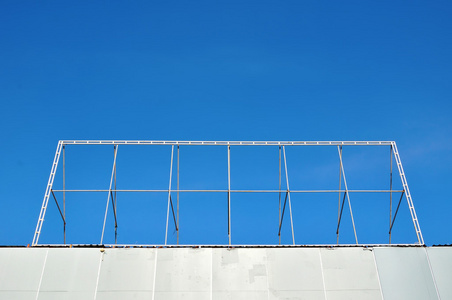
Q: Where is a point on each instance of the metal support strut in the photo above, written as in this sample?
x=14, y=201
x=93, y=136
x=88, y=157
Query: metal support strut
x=45, y=201
x=339, y=207
x=390, y=193
x=409, y=200
x=229, y=194
x=64, y=195
x=395, y=215
x=114, y=204
x=287, y=197
x=110, y=194
x=59, y=209
x=279, y=213
x=177, y=222
x=339, y=149
x=169, y=195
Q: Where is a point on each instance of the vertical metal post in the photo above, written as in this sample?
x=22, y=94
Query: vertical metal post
x=169, y=194
x=45, y=201
x=115, y=208
x=390, y=193
x=229, y=194
x=178, y=194
x=346, y=191
x=339, y=201
x=279, y=214
x=288, y=193
x=109, y=192
x=64, y=195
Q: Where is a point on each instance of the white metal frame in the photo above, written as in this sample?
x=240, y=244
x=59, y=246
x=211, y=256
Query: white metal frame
x=281, y=144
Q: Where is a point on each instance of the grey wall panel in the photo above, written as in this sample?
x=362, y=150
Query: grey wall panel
x=124, y=295
x=239, y=273
x=240, y=295
x=441, y=262
x=221, y=273
x=296, y=295
x=350, y=273
x=71, y=295
x=70, y=270
x=353, y=294
x=183, y=273
x=21, y=269
x=175, y=295
x=295, y=272
x=404, y=273
x=14, y=295
x=126, y=270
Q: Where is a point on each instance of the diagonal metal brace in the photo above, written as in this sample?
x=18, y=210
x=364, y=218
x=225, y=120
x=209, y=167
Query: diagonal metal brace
x=174, y=215
x=340, y=215
x=282, y=215
x=397, y=210
x=59, y=209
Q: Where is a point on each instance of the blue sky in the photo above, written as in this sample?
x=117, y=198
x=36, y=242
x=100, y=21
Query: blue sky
x=224, y=71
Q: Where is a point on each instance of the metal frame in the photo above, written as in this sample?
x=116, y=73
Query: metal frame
x=112, y=191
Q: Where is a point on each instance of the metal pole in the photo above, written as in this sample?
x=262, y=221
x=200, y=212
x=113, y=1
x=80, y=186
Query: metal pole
x=109, y=192
x=279, y=214
x=64, y=195
x=390, y=194
x=169, y=194
x=115, y=211
x=288, y=194
x=229, y=194
x=339, y=209
x=348, y=197
x=178, y=194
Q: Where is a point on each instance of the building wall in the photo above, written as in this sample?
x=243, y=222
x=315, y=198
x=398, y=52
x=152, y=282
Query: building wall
x=226, y=273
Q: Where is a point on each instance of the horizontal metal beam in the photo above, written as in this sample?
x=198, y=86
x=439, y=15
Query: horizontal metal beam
x=239, y=191
x=229, y=143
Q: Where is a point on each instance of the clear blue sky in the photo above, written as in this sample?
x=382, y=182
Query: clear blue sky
x=226, y=71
